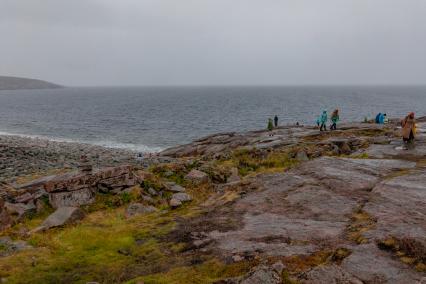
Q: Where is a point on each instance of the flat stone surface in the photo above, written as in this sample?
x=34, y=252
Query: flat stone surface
x=330, y=274
x=399, y=206
x=372, y=265
x=306, y=209
x=262, y=274
x=63, y=216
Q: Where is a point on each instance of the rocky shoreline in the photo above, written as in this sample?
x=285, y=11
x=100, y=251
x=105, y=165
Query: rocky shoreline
x=23, y=156
x=297, y=206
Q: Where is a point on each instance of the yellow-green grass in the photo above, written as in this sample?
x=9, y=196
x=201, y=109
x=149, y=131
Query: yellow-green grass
x=105, y=246
x=207, y=272
x=254, y=161
x=90, y=251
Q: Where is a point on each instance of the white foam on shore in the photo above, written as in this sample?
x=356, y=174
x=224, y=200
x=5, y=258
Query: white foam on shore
x=128, y=146
x=107, y=144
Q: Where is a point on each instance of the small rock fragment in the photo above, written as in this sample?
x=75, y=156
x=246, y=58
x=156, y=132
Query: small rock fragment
x=278, y=267
x=139, y=209
x=262, y=274
x=152, y=191
x=234, y=177
x=301, y=156
x=182, y=197
x=175, y=203
x=173, y=187
x=197, y=177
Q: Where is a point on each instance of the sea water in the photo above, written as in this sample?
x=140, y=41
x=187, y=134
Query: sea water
x=149, y=119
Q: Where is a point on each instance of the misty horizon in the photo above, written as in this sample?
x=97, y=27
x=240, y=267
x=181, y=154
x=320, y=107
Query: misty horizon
x=215, y=43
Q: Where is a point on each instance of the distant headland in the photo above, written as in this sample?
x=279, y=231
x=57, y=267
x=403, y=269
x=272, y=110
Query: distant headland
x=17, y=83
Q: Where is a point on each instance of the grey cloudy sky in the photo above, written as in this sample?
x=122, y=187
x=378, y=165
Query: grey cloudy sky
x=214, y=42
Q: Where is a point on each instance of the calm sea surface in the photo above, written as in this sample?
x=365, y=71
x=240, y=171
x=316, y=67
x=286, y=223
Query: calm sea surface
x=153, y=118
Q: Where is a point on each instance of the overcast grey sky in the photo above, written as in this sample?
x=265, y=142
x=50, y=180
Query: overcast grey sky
x=214, y=42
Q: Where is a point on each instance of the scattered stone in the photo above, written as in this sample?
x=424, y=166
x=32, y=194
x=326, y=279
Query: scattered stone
x=148, y=199
x=39, y=206
x=24, y=198
x=174, y=203
x=278, y=267
x=262, y=274
x=152, y=191
x=234, y=177
x=85, y=166
x=173, y=187
x=197, y=177
x=182, y=197
x=8, y=247
x=124, y=251
x=6, y=220
x=301, y=156
x=237, y=258
x=139, y=209
x=168, y=174
x=19, y=209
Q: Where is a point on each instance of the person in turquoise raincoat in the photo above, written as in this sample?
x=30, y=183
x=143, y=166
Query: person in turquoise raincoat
x=323, y=121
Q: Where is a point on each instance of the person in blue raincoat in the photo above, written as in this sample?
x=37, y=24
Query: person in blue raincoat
x=381, y=118
x=323, y=120
x=318, y=121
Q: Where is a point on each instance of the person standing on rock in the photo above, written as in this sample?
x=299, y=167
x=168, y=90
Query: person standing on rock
x=385, y=119
x=377, y=120
x=323, y=120
x=276, y=121
x=334, y=119
x=408, y=128
x=270, y=126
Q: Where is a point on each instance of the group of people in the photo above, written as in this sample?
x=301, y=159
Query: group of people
x=273, y=124
x=408, y=124
x=323, y=118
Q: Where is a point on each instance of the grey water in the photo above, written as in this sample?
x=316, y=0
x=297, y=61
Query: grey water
x=153, y=118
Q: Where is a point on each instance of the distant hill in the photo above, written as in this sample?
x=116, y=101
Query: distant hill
x=16, y=83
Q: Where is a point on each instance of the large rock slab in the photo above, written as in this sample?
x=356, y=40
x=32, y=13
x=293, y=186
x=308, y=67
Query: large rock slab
x=276, y=235
x=83, y=196
x=299, y=211
x=262, y=274
x=331, y=274
x=349, y=175
x=399, y=206
x=62, y=216
x=372, y=265
x=224, y=142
